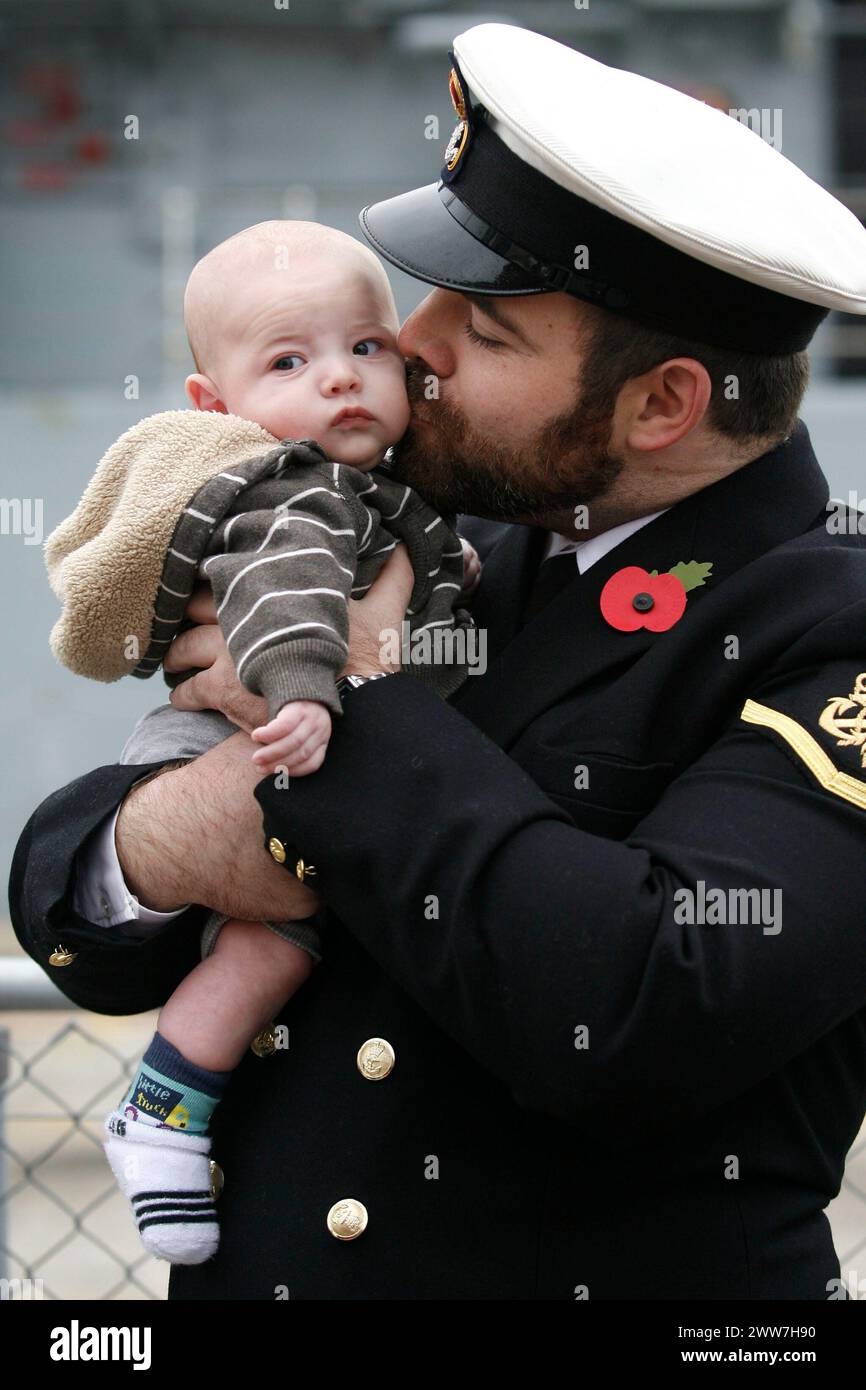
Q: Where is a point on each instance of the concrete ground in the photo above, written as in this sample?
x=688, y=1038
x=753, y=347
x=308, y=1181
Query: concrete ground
x=66, y=1223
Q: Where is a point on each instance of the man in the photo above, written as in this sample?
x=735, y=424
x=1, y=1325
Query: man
x=591, y=1018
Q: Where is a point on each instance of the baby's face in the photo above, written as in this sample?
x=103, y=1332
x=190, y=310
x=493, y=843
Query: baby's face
x=301, y=347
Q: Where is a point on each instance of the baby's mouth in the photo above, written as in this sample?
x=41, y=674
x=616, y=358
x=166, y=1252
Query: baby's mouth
x=352, y=415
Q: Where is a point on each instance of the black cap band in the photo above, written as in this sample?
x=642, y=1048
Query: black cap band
x=530, y=221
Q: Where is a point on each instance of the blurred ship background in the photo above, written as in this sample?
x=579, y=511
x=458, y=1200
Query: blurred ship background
x=136, y=134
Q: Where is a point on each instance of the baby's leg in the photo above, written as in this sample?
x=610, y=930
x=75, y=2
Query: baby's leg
x=158, y=1144
x=225, y=1001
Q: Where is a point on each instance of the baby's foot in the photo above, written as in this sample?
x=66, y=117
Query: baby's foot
x=165, y=1175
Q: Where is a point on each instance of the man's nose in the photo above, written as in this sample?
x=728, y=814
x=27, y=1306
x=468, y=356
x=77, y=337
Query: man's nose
x=428, y=332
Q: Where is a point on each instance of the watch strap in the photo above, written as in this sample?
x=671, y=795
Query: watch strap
x=347, y=683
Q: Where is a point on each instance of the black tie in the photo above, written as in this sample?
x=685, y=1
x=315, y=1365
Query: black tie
x=553, y=574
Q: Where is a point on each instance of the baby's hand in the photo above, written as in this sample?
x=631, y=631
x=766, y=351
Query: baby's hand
x=471, y=568
x=296, y=737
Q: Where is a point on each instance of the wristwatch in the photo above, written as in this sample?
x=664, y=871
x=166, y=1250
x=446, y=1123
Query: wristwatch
x=347, y=683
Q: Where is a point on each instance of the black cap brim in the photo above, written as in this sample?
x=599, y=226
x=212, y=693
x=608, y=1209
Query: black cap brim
x=416, y=233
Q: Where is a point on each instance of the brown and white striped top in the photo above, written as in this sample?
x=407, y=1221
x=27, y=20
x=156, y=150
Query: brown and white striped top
x=285, y=541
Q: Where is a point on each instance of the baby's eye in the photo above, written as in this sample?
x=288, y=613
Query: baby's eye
x=283, y=364
x=367, y=347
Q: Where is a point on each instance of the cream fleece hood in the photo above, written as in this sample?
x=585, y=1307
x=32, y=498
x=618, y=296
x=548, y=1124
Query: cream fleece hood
x=106, y=559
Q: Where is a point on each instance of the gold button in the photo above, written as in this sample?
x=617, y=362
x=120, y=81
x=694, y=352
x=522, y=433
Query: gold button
x=303, y=870
x=217, y=1179
x=347, y=1219
x=375, y=1059
x=61, y=956
x=277, y=849
x=265, y=1042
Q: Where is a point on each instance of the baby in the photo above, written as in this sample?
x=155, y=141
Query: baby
x=278, y=494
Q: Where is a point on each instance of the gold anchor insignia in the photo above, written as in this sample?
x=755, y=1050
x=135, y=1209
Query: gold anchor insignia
x=458, y=101
x=460, y=134
x=851, y=731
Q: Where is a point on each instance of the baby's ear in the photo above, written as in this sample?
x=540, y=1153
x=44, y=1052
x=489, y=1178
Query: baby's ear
x=202, y=394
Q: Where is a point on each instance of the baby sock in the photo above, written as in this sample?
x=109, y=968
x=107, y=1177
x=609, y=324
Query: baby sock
x=158, y=1149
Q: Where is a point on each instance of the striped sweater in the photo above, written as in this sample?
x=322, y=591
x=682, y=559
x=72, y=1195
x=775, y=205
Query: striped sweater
x=284, y=536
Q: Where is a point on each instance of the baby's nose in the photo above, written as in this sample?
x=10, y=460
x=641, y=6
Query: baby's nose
x=340, y=376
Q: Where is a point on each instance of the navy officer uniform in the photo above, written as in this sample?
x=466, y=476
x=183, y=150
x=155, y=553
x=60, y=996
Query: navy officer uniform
x=522, y=1071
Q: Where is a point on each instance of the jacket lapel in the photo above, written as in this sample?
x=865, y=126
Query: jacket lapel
x=507, y=574
x=568, y=644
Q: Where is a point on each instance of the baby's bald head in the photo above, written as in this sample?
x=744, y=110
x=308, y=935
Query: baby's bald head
x=218, y=297
x=293, y=325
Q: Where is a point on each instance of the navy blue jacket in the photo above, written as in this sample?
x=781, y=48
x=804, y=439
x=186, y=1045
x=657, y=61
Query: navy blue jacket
x=592, y=1095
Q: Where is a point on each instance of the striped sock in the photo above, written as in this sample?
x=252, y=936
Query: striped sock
x=169, y=1090
x=158, y=1150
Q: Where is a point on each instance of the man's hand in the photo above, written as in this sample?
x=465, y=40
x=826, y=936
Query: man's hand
x=471, y=568
x=194, y=835
x=216, y=686
x=382, y=609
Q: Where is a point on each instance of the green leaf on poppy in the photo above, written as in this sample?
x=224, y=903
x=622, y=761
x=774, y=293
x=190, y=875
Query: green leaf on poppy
x=692, y=573
x=653, y=574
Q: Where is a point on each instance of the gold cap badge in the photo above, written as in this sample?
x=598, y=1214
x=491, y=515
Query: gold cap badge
x=460, y=134
x=457, y=99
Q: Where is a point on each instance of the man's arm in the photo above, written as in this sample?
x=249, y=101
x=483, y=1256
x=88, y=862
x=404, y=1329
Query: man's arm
x=109, y=972
x=173, y=848
x=100, y=893
x=514, y=929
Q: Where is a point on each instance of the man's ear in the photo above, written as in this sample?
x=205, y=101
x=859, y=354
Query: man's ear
x=202, y=394
x=658, y=409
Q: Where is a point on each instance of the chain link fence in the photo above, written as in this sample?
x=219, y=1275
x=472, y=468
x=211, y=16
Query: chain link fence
x=65, y=1230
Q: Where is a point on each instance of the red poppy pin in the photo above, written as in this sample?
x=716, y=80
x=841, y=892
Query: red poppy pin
x=634, y=597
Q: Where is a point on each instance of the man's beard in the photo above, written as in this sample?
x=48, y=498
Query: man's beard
x=456, y=469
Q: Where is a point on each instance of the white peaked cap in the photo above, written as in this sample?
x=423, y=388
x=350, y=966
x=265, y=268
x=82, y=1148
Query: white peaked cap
x=691, y=221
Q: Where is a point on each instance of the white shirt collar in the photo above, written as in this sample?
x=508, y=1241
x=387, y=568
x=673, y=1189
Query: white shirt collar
x=587, y=552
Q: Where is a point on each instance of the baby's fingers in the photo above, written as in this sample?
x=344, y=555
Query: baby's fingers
x=288, y=721
x=311, y=730
x=310, y=764
x=295, y=753
x=267, y=733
